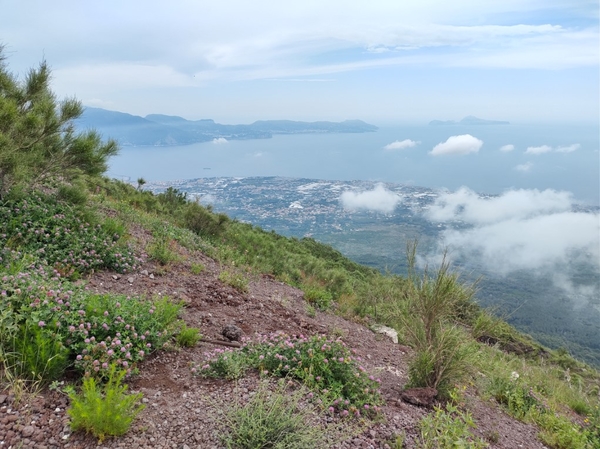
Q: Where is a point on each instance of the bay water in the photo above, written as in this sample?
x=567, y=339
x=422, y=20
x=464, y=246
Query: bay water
x=363, y=156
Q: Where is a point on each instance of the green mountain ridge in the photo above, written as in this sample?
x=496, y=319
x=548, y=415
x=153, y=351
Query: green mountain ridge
x=469, y=120
x=166, y=130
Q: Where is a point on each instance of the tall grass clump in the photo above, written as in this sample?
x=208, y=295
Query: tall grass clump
x=429, y=310
x=34, y=354
x=274, y=420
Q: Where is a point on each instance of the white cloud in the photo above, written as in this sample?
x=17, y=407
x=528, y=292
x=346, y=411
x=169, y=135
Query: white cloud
x=569, y=148
x=467, y=206
x=379, y=199
x=463, y=144
x=220, y=140
x=129, y=75
x=524, y=167
x=543, y=242
x=519, y=230
x=507, y=148
x=547, y=149
x=401, y=145
x=538, y=150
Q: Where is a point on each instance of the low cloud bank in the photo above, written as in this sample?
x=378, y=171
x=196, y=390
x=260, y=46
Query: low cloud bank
x=543, y=149
x=220, y=140
x=467, y=206
x=521, y=230
x=401, y=145
x=460, y=145
x=379, y=199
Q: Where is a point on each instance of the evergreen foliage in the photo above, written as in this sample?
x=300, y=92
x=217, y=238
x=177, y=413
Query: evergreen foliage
x=38, y=142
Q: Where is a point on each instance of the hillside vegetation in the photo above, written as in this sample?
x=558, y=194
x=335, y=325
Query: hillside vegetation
x=62, y=222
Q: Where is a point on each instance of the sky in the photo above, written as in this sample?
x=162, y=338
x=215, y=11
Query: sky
x=385, y=62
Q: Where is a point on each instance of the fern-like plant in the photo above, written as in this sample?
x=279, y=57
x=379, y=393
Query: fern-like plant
x=107, y=411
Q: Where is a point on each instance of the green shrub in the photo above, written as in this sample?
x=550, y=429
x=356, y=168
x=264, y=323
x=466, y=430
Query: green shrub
x=443, y=364
x=197, y=268
x=513, y=394
x=235, y=280
x=97, y=330
x=74, y=194
x=226, y=364
x=443, y=351
x=104, y=411
x=172, y=199
x=202, y=221
x=62, y=235
x=448, y=428
x=188, y=337
x=114, y=227
x=559, y=432
x=319, y=297
x=161, y=249
x=323, y=364
x=272, y=420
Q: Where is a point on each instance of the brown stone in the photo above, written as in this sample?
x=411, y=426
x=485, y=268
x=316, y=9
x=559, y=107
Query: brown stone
x=422, y=397
x=27, y=431
x=232, y=332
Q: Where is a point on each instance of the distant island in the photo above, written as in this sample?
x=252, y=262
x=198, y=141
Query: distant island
x=468, y=121
x=167, y=130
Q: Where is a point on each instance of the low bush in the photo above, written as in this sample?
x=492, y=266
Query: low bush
x=41, y=312
x=272, y=419
x=188, y=337
x=514, y=394
x=448, y=428
x=104, y=411
x=62, y=236
x=318, y=296
x=234, y=279
x=323, y=364
x=202, y=221
x=161, y=249
x=559, y=432
x=197, y=268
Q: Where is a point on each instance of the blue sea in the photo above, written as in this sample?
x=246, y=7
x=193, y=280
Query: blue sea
x=363, y=157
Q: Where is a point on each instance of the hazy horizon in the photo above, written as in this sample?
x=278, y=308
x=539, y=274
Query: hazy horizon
x=388, y=63
x=382, y=123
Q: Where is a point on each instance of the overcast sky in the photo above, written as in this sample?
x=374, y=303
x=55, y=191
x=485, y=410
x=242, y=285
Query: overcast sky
x=382, y=61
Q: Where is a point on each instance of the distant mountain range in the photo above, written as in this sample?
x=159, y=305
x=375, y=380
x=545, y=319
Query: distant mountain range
x=468, y=121
x=164, y=130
